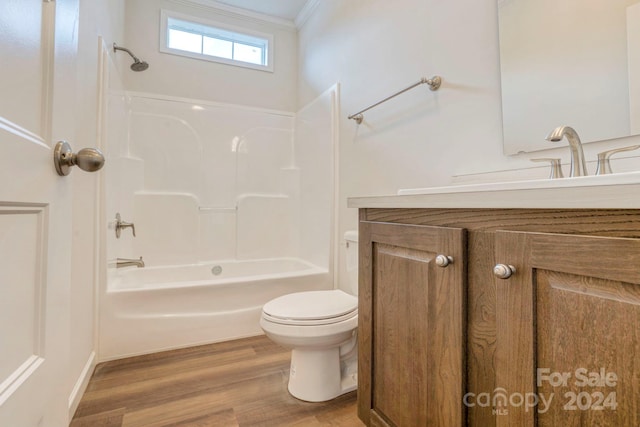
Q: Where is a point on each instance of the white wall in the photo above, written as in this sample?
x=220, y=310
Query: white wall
x=106, y=19
x=633, y=46
x=421, y=138
x=192, y=78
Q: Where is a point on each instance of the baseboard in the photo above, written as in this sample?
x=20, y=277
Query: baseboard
x=81, y=384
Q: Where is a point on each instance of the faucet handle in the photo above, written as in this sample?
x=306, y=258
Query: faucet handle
x=556, y=167
x=604, y=166
x=120, y=224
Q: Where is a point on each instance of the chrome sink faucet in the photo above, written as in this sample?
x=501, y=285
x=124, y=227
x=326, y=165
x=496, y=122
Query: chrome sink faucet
x=578, y=164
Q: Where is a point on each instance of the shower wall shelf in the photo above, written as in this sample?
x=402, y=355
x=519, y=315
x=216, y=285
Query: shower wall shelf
x=434, y=84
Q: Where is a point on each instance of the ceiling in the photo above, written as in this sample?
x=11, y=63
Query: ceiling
x=285, y=9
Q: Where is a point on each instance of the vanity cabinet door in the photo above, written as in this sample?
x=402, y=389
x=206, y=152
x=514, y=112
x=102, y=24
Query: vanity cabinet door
x=411, y=323
x=568, y=331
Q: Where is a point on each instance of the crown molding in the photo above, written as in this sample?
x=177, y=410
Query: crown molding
x=306, y=12
x=239, y=13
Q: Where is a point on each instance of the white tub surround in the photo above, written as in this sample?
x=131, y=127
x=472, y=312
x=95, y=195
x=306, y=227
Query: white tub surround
x=213, y=186
x=606, y=191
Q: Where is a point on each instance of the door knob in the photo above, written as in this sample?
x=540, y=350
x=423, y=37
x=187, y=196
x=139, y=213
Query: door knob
x=503, y=271
x=87, y=159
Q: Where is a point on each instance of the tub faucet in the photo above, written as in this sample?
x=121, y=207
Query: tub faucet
x=125, y=262
x=578, y=164
x=121, y=225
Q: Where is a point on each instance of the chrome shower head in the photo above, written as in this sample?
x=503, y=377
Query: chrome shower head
x=137, y=64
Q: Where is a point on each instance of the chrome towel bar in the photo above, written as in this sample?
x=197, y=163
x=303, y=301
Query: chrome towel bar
x=434, y=84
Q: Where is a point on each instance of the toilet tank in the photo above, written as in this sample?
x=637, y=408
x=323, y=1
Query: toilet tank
x=351, y=239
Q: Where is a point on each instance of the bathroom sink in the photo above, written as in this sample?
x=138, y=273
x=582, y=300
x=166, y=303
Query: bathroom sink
x=580, y=181
x=621, y=190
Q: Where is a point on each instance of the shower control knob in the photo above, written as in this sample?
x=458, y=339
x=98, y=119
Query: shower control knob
x=503, y=271
x=87, y=159
x=443, y=260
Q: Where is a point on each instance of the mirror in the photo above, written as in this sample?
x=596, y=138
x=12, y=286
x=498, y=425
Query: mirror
x=569, y=62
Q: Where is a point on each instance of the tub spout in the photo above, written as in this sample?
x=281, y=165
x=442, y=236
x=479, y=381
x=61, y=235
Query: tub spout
x=125, y=262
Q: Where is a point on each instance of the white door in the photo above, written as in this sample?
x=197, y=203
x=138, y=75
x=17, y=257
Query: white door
x=37, y=96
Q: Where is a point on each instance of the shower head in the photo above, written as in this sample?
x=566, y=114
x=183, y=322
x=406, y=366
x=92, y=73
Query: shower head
x=137, y=64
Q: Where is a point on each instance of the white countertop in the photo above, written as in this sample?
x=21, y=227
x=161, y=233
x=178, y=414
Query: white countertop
x=620, y=190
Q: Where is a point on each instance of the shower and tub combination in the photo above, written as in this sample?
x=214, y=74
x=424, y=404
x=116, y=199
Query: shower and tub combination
x=232, y=206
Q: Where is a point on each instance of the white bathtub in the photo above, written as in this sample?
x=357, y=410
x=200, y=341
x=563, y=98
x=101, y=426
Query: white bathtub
x=156, y=308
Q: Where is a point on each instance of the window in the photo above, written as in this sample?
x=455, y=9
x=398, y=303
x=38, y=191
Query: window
x=190, y=36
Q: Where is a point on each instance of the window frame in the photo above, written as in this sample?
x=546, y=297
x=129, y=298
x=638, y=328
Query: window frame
x=165, y=15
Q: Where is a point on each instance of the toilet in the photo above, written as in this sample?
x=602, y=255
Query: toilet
x=320, y=328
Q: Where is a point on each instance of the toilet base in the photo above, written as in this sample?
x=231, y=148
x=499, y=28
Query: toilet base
x=318, y=375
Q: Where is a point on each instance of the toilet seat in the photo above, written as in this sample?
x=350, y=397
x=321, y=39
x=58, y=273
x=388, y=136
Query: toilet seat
x=311, y=308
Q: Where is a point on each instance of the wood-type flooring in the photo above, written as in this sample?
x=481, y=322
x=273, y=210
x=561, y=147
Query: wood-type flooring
x=236, y=383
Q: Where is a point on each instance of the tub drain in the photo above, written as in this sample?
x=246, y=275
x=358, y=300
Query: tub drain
x=216, y=270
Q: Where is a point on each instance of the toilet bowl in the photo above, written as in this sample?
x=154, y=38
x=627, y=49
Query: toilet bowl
x=320, y=328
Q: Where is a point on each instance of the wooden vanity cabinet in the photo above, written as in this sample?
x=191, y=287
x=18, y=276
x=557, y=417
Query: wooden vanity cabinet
x=565, y=326
x=411, y=320
x=568, y=329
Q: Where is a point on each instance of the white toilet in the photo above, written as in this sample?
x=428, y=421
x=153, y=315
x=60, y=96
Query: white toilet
x=320, y=328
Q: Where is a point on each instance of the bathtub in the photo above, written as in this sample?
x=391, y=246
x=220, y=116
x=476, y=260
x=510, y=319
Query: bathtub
x=151, y=309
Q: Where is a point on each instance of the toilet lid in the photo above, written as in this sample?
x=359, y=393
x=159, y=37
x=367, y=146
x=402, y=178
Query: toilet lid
x=312, y=305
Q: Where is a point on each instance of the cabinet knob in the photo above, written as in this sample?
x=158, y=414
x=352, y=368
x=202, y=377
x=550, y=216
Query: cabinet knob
x=443, y=260
x=503, y=271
